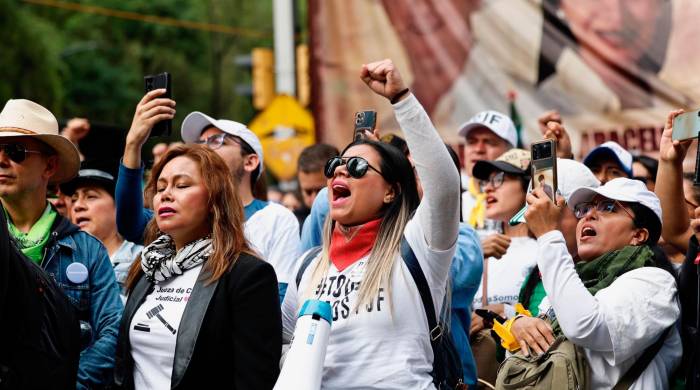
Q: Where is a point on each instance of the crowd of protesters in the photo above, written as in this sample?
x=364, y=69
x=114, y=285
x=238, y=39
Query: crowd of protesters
x=185, y=277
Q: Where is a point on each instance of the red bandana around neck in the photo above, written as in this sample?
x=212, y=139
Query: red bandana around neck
x=346, y=249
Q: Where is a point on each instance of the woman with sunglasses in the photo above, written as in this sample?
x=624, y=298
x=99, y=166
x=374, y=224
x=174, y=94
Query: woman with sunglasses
x=616, y=303
x=379, y=336
x=202, y=309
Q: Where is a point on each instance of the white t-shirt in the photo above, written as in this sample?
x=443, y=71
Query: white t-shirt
x=507, y=274
x=617, y=324
x=153, y=330
x=274, y=233
x=385, y=346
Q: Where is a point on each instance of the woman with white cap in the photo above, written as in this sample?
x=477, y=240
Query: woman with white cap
x=615, y=304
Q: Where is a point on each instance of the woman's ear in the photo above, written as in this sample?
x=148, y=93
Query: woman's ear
x=640, y=236
x=391, y=193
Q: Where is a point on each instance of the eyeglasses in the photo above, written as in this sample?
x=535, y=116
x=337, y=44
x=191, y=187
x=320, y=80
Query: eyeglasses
x=607, y=206
x=495, y=180
x=16, y=152
x=216, y=141
x=357, y=166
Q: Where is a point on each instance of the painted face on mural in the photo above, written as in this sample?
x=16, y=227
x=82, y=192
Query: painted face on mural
x=619, y=31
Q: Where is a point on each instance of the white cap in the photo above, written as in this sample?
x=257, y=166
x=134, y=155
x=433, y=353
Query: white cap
x=196, y=122
x=571, y=175
x=495, y=121
x=621, y=189
x=614, y=150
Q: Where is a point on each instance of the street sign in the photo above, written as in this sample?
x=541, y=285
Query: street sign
x=285, y=128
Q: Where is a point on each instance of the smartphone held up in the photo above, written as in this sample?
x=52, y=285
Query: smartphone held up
x=365, y=121
x=544, y=167
x=158, y=81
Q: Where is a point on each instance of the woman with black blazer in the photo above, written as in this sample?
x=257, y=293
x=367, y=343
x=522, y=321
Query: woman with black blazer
x=203, y=311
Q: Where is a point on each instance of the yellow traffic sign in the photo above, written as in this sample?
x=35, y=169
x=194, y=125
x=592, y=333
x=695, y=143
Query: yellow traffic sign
x=285, y=128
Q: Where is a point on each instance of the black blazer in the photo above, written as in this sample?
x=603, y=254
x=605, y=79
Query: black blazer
x=230, y=335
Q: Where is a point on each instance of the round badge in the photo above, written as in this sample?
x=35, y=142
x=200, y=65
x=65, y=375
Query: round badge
x=77, y=272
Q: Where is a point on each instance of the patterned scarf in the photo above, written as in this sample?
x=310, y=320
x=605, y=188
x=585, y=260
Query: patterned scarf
x=160, y=261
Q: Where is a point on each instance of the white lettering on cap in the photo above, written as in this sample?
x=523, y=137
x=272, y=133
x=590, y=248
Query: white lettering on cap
x=77, y=272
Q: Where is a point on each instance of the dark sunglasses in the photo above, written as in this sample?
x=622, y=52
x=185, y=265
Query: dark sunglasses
x=16, y=152
x=357, y=166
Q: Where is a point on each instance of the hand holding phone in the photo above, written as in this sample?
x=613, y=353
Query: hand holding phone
x=365, y=121
x=162, y=128
x=544, y=167
x=686, y=126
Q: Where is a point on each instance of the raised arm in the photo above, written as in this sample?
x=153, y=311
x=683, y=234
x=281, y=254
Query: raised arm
x=131, y=215
x=438, y=212
x=669, y=187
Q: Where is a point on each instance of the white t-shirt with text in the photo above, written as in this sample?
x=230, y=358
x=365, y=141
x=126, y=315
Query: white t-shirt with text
x=153, y=330
x=386, y=345
x=507, y=274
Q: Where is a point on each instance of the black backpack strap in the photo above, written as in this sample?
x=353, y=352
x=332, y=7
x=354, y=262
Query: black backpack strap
x=310, y=256
x=642, y=363
x=409, y=258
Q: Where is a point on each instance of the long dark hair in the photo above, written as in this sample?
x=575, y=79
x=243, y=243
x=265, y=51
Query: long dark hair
x=397, y=171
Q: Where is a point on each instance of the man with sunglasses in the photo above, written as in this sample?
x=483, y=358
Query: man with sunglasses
x=271, y=229
x=32, y=156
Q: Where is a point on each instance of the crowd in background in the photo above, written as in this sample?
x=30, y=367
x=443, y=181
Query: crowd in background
x=185, y=276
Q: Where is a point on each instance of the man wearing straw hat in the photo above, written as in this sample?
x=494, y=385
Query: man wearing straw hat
x=32, y=156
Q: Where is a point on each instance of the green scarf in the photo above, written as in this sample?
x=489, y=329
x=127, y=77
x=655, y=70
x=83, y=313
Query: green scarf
x=32, y=244
x=601, y=272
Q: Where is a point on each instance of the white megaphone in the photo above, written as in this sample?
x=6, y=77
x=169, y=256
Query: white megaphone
x=303, y=365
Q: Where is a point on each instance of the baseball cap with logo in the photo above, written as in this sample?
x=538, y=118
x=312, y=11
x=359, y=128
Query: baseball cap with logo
x=514, y=161
x=495, y=121
x=24, y=118
x=613, y=150
x=195, y=123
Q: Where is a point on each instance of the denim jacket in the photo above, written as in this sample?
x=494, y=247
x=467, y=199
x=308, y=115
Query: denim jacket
x=96, y=299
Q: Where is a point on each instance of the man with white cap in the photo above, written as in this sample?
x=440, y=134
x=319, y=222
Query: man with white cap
x=608, y=161
x=615, y=303
x=488, y=135
x=271, y=229
x=32, y=156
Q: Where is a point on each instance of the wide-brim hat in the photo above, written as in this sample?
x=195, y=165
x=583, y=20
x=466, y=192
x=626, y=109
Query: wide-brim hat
x=24, y=118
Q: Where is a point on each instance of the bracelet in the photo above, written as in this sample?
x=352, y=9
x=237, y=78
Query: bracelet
x=399, y=95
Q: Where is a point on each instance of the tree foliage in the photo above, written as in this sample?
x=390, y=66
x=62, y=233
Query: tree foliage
x=84, y=64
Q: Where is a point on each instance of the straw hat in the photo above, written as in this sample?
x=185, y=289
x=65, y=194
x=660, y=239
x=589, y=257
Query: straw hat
x=24, y=118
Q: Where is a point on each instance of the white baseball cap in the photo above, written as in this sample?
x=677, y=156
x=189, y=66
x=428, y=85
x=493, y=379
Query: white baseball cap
x=614, y=150
x=196, y=122
x=495, y=121
x=621, y=189
x=571, y=175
